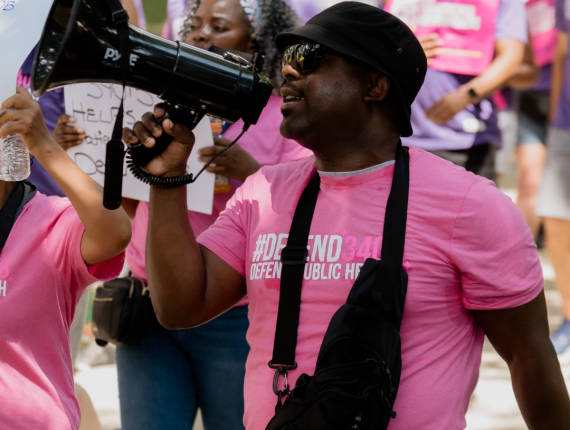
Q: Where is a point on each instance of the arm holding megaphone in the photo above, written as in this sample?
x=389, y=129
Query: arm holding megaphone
x=189, y=284
x=147, y=132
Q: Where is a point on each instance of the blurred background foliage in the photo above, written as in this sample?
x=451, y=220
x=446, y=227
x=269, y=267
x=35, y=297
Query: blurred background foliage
x=155, y=12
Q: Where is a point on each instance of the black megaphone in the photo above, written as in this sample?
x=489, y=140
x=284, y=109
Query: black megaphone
x=80, y=44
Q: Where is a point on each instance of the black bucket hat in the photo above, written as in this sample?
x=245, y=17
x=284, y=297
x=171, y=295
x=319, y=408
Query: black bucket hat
x=374, y=37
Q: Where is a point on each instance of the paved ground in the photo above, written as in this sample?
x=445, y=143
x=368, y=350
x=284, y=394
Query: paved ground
x=492, y=407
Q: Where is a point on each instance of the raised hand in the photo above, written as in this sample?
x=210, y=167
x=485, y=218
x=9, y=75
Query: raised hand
x=22, y=114
x=235, y=163
x=67, y=134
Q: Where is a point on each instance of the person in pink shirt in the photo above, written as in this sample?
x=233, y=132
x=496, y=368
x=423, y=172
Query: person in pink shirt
x=55, y=248
x=471, y=263
x=170, y=374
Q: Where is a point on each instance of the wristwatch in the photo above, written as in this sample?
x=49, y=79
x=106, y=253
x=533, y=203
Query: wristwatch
x=472, y=94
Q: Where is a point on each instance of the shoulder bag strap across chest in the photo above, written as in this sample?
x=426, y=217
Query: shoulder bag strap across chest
x=294, y=257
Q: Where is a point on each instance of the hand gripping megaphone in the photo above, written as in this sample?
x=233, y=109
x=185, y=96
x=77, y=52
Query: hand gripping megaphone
x=80, y=43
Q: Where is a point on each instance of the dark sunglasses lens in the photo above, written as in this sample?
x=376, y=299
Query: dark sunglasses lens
x=306, y=57
x=288, y=55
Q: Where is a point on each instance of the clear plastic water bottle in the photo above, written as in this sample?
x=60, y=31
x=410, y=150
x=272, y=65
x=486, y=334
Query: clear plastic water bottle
x=14, y=159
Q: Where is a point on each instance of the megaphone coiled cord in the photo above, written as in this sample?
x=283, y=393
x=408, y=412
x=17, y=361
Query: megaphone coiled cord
x=176, y=181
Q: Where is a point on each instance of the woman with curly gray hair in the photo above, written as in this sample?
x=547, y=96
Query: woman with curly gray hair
x=273, y=17
x=171, y=373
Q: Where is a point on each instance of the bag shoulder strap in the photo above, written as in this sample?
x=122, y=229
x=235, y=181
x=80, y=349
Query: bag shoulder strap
x=393, y=237
x=294, y=257
x=8, y=213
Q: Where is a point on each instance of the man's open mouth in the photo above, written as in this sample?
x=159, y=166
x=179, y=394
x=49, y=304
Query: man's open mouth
x=290, y=94
x=289, y=99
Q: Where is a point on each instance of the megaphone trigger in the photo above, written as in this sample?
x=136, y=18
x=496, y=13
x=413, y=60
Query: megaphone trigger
x=142, y=155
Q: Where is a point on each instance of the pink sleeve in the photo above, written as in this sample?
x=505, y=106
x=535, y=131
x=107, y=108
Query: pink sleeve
x=493, y=249
x=64, y=248
x=227, y=236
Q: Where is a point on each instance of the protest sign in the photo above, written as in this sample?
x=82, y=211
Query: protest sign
x=95, y=106
x=21, y=25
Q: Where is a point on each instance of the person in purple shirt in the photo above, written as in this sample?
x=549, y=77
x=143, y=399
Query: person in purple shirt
x=532, y=107
x=554, y=194
x=453, y=115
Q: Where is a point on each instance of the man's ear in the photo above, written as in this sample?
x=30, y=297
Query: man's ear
x=378, y=88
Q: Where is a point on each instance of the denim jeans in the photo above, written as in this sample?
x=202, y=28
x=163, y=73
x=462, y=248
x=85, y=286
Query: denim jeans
x=171, y=373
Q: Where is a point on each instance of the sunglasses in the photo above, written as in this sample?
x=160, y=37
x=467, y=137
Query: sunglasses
x=305, y=55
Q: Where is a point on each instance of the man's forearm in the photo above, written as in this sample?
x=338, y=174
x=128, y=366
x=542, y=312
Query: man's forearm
x=540, y=391
x=520, y=336
x=176, y=273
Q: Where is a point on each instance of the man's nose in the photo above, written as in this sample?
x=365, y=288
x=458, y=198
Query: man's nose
x=289, y=72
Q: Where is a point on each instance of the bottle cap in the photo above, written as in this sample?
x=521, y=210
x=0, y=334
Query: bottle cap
x=216, y=128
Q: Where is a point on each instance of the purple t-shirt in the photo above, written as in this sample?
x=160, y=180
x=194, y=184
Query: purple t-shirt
x=175, y=13
x=477, y=124
x=544, y=80
x=562, y=117
x=53, y=105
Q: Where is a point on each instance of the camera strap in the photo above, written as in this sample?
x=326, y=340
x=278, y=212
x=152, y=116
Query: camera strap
x=294, y=258
x=115, y=153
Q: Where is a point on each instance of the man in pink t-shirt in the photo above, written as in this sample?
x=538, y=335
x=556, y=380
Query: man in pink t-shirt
x=55, y=248
x=472, y=266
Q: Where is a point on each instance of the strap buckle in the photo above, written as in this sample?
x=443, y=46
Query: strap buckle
x=282, y=366
x=294, y=255
x=120, y=16
x=281, y=370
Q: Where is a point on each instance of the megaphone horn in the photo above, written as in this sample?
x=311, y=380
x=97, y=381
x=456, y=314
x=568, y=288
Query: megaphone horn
x=80, y=44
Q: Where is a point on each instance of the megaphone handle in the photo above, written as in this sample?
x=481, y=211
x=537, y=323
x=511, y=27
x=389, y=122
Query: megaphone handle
x=142, y=155
x=113, y=185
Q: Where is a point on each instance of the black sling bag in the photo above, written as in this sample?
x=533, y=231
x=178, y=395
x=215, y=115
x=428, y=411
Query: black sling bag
x=359, y=364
